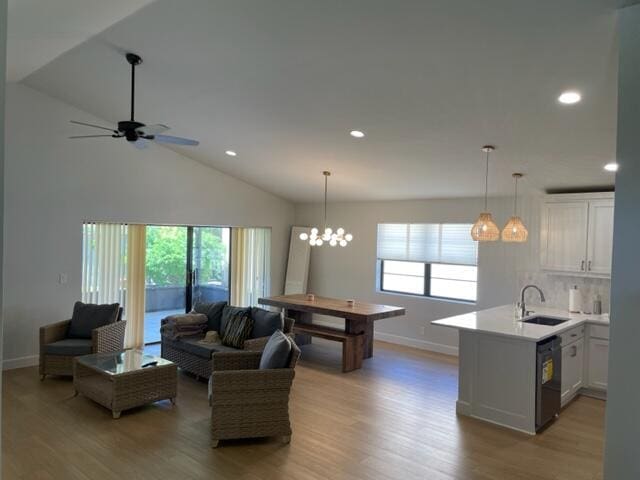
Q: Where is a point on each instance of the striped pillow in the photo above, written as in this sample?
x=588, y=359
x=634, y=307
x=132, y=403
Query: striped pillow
x=237, y=330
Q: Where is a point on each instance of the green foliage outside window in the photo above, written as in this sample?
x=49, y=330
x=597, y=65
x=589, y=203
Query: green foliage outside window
x=167, y=255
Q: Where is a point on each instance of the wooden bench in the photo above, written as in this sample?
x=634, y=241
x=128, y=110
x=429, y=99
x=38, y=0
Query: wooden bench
x=352, y=343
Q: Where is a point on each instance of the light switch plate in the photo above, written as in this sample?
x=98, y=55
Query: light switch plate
x=62, y=278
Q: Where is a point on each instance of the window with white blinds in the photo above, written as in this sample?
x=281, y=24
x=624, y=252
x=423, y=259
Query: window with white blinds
x=436, y=260
x=448, y=243
x=104, y=262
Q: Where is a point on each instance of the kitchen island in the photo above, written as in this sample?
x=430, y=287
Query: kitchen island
x=498, y=375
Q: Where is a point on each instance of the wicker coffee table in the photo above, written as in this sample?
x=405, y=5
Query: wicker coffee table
x=123, y=380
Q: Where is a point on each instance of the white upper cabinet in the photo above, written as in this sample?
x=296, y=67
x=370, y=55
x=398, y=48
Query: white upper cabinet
x=577, y=233
x=600, y=237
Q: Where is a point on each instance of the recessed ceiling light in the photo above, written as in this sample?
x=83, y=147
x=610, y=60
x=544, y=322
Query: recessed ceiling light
x=231, y=153
x=611, y=167
x=356, y=133
x=569, y=98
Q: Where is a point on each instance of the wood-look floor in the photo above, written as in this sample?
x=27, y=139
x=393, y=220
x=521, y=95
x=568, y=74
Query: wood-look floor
x=393, y=419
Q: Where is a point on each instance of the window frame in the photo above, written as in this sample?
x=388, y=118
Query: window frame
x=427, y=283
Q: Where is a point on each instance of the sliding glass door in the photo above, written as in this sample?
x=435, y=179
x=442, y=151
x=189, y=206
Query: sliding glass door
x=166, y=273
x=209, y=251
x=184, y=266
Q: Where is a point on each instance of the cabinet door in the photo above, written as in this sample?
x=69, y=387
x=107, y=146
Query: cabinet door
x=564, y=236
x=598, y=363
x=600, y=238
x=572, y=368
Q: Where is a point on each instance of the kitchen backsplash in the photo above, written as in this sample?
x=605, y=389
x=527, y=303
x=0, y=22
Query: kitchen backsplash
x=556, y=290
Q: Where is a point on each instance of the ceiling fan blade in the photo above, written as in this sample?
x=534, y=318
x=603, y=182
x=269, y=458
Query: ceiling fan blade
x=92, y=136
x=140, y=143
x=152, y=129
x=175, y=140
x=94, y=126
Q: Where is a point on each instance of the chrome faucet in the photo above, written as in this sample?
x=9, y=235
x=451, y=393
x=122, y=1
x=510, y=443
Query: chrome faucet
x=523, y=308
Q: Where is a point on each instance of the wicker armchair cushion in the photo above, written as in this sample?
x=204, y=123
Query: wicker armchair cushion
x=237, y=330
x=213, y=311
x=276, y=352
x=265, y=323
x=228, y=312
x=69, y=347
x=87, y=317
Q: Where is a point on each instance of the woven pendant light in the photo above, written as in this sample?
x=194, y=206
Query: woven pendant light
x=485, y=229
x=514, y=230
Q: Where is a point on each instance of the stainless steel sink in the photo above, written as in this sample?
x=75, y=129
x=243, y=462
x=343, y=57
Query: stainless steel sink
x=549, y=321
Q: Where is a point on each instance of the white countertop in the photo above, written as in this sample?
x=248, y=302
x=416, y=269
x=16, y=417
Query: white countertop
x=501, y=321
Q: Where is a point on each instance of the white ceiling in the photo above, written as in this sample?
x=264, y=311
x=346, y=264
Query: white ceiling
x=40, y=30
x=282, y=82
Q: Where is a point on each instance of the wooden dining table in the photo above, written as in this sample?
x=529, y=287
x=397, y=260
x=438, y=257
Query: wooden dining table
x=359, y=317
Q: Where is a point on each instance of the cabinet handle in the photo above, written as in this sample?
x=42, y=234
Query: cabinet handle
x=589, y=265
x=574, y=351
x=582, y=265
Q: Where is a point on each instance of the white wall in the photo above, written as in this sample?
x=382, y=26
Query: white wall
x=53, y=184
x=502, y=268
x=623, y=421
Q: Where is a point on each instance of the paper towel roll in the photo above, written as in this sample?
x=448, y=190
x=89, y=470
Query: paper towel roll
x=575, y=300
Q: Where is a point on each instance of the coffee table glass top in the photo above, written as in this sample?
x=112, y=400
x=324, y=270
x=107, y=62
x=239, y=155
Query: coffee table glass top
x=116, y=363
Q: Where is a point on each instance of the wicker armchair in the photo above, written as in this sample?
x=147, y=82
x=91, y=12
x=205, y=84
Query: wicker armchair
x=109, y=338
x=247, y=402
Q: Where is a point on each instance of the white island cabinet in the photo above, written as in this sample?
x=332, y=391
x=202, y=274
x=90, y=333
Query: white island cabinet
x=497, y=362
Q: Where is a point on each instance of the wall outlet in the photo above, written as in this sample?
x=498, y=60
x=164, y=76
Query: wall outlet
x=422, y=331
x=62, y=278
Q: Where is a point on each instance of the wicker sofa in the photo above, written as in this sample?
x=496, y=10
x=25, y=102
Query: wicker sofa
x=247, y=402
x=193, y=356
x=57, y=349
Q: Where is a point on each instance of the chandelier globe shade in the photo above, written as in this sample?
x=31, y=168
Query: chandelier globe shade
x=326, y=235
x=485, y=229
x=514, y=230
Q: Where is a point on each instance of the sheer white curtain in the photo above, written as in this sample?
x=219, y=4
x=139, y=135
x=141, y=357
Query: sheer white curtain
x=250, y=265
x=113, y=270
x=104, y=263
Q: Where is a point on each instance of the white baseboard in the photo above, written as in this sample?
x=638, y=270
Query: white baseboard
x=406, y=341
x=20, y=362
x=416, y=343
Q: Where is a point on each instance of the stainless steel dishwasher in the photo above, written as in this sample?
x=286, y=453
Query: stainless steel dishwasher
x=548, y=380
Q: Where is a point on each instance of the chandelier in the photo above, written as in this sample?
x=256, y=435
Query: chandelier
x=316, y=238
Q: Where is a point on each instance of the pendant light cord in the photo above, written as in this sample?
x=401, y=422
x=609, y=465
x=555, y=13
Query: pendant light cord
x=486, y=182
x=325, y=200
x=515, y=199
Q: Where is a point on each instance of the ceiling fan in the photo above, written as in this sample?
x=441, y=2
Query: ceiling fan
x=138, y=134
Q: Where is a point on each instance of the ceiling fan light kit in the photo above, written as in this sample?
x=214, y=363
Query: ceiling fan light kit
x=137, y=133
x=319, y=237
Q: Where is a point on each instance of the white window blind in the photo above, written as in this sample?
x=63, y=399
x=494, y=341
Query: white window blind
x=104, y=263
x=448, y=243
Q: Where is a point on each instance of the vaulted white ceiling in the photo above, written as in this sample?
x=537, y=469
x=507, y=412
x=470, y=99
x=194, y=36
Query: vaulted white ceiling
x=40, y=30
x=282, y=82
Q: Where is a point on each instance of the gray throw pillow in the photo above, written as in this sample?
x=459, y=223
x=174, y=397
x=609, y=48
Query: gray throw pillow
x=265, y=322
x=277, y=352
x=213, y=311
x=228, y=312
x=87, y=317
